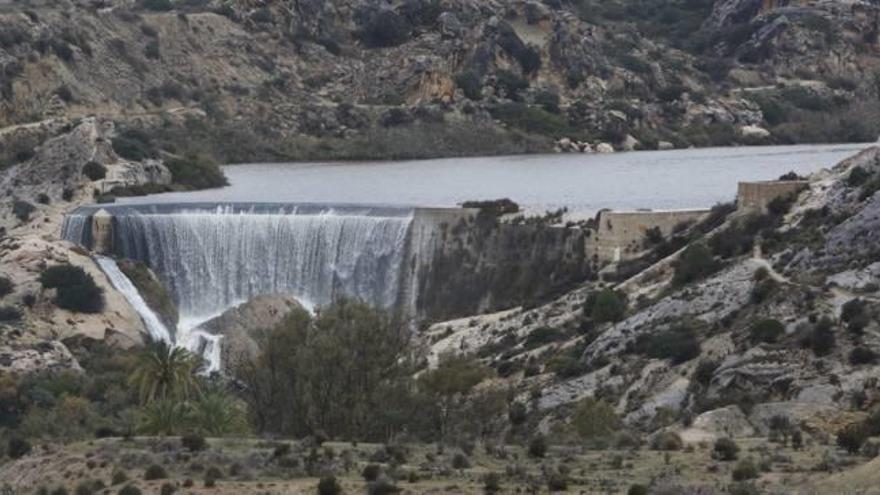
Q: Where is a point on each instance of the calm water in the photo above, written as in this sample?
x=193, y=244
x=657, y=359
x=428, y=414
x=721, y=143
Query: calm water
x=584, y=183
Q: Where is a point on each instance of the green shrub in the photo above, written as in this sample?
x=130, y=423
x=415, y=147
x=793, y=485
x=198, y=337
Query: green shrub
x=637, y=490
x=470, y=84
x=157, y=5
x=196, y=172
x=852, y=310
x=763, y=289
x=725, y=449
x=193, y=442
x=329, y=486
x=492, y=482
x=531, y=119
x=768, y=331
x=167, y=488
x=134, y=145
x=152, y=51
x=89, y=487
x=511, y=84
x=594, y=419
x=557, y=482
x=9, y=313
x=821, y=339
x=6, y=286
x=382, y=487
x=155, y=472
x=744, y=470
x=76, y=289
x=22, y=210
x=371, y=472
x=857, y=176
x=94, y=171
x=118, y=477
x=667, y=441
x=862, y=355
x=549, y=100
x=460, y=461
x=704, y=372
x=129, y=490
x=605, y=306
x=17, y=448
x=537, y=447
x=678, y=344
x=384, y=28
x=696, y=263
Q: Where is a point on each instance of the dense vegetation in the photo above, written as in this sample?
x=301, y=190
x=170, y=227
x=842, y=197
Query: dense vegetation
x=75, y=289
x=300, y=383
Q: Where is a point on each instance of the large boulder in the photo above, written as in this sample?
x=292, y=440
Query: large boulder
x=727, y=421
x=239, y=326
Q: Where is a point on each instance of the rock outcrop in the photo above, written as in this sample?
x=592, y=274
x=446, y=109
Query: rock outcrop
x=240, y=326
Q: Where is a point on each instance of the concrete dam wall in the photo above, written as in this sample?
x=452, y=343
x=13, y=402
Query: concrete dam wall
x=427, y=263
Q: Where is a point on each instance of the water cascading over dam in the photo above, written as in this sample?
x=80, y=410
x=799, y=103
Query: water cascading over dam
x=212, y=257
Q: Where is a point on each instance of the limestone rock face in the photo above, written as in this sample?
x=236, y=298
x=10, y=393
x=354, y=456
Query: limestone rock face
x=22, y=260
x=239, y=325
x=728, y=12
x=727, y=421
x=35, y=355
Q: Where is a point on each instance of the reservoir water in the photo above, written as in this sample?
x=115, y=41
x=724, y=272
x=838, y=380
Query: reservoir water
x=674, y=179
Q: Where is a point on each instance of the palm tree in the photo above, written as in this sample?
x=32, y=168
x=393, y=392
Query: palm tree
x=164, y=417
x=165, y=372
x=217, y=414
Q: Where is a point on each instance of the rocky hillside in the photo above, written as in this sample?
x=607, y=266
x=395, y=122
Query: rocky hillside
x=767, y=323
x=251, y=80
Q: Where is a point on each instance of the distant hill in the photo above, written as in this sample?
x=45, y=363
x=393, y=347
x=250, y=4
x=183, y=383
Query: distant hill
x=304, y=79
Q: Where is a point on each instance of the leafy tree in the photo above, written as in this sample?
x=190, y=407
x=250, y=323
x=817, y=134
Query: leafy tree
x=452, y=381
x=165, y=372
x=594, y=419
x=196, y=172
x=94, y=171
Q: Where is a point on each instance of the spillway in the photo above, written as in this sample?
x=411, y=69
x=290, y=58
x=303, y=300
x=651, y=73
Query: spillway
x=212, y=257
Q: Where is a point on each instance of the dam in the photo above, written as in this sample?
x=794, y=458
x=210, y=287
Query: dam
x=419, y=263
x=214, y=256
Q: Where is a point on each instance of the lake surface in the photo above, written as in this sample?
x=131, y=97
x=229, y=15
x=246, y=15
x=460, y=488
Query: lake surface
x=584, y=183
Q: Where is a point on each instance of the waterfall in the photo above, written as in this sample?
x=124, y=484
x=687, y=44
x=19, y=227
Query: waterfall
x=198, y=342
x=75, y=228
x=154, y=325
x=213, y=257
